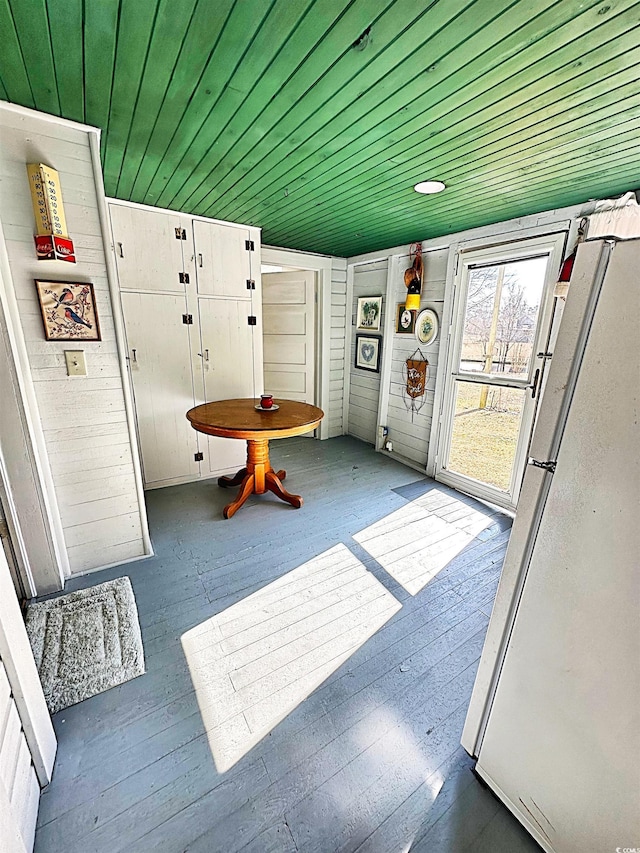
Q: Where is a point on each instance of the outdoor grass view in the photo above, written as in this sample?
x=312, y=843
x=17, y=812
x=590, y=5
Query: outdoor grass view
x=501, y=316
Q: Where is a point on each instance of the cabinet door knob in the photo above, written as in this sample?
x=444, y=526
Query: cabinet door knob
x=204, y=355
x=134, y=356
x=121, y=250
x=200, y=259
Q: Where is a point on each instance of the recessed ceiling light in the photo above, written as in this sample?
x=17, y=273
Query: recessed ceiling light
x=428, y=187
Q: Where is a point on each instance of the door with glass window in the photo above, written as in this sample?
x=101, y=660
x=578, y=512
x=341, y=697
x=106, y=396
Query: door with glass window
x=497, y=356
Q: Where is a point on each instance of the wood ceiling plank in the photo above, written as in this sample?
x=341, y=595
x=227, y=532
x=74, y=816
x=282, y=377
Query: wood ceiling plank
x=32, y=27
x=509, y=146
x=100, y=35
x=479, y=192
x=411, y=227
x=186, y=86
x=473, y=132
x=381, y=130
x=136, y=26
x=316, y=98
x=65, y=26
x=237, y=34
x=187, y=159
x=12, y=68
x=171, y=24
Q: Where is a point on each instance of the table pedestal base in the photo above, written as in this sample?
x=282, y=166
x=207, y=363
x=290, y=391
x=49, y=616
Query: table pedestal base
x=257, y=478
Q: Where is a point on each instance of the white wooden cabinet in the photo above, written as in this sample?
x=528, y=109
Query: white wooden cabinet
x=148, y=248
x=222, y=259
x=193, y=324
x=160, y=366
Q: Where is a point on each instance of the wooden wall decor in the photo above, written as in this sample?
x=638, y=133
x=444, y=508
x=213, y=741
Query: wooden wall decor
x=68, y=310
x=415, y=376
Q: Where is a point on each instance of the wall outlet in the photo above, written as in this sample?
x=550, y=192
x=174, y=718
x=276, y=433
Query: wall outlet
x=76, y=365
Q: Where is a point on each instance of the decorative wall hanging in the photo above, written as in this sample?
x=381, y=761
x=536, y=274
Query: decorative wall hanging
x=405, y=320
x=415, y=376
x=369, y=313
x=368, y=352
x=427, y=326
x=68, y=310
x=413, y=278
x=52, y=241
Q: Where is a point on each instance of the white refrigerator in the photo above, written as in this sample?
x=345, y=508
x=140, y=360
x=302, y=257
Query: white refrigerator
x=554, y=718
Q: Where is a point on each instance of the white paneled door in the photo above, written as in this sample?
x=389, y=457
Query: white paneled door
x=160, y=363
x=288, y=317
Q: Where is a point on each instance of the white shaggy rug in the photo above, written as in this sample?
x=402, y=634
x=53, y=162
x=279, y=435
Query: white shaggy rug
x=86, y=642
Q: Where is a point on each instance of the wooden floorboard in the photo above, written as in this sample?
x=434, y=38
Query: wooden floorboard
x=308, y=673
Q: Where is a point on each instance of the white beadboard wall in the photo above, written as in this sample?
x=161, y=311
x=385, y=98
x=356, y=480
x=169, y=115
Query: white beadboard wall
x=409, y=431
x=364, y=385
x=337, y=345
x=83, y=418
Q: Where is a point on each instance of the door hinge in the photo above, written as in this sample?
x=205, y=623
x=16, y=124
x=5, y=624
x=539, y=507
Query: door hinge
x=184, y=277
x=251, y=285
x=181, y=234
x=198, y=457
x=546, y=466
x=187, y=319
x=251, y=320
x=249, y=245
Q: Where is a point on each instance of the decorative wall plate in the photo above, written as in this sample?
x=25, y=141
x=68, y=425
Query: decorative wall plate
x=427, y=326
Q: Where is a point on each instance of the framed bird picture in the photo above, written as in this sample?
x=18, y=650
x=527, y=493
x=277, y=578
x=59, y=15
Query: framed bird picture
x=68, y=310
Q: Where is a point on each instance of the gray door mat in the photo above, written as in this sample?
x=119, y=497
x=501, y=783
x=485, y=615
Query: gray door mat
x=86, y=642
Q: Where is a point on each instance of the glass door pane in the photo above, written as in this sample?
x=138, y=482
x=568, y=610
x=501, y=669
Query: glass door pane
x=501, y=317
x=486, y=428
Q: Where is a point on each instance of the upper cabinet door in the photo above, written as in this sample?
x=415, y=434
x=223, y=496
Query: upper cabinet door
x=149, y=248
x=223, y=261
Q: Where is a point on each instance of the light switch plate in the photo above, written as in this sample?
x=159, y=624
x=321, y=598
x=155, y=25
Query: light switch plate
x=76, y=365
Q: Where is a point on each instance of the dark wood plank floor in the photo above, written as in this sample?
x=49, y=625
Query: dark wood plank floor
x=307, y=678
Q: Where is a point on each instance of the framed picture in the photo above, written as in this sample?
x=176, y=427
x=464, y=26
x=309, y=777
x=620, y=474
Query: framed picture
x=427, y=326
x=368, y=352
x=369, y=313
x=68, y=310
x=405, y=320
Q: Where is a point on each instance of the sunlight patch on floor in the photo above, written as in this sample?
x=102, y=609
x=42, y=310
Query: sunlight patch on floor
x=255, y=662
x=417, y=541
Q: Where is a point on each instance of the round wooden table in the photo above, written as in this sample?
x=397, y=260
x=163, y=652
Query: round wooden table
x=240, y=419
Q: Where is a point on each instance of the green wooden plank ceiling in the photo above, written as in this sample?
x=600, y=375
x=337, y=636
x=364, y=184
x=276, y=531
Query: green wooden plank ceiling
x=314, y=118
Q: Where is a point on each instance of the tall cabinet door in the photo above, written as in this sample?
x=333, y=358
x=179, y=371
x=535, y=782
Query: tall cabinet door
x=228, y=347
x=160, y=362
x=148, y=247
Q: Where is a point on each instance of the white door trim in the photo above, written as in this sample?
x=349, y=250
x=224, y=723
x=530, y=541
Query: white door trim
x=28, y=478
x=22, y=673
x=121, y=339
